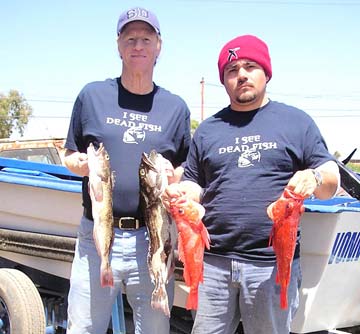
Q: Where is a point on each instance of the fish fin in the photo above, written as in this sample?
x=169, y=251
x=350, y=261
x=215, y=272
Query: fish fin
x=205, y=237
x=192, y=299
x=96, y=240
x=283, y=298
x=271, y=238
x=182, y=258
x=269, y=211
x=186, y=275
x=200, y=209
x=97, y=190
x=112, y=179
x=181, y=251
x=170, y=266
x=277, y=278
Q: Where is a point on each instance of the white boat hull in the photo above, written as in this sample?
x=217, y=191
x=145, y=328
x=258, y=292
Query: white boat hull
x=330, y=293
x=39, y=210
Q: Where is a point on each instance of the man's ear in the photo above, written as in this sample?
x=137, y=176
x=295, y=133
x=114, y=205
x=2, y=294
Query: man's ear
x=159, y=47
x=118, y=46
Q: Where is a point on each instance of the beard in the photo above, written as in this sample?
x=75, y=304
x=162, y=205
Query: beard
x=246, y=97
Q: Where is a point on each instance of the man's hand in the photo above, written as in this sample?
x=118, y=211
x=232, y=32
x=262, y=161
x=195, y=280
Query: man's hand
x=176, y=175
x=77, y=162
x=304, y=182
x=175, y=190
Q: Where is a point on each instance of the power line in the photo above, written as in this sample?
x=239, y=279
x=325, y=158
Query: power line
x=214, y=85
x=333, y=110
x=284, y=2
x=50, y=117
x=355, y=95
x=317, y=95
x=222, y=105
x=33, y=116
x=335, y=116
x=50, y=101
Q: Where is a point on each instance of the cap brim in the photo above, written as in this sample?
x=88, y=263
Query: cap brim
x=141, y=20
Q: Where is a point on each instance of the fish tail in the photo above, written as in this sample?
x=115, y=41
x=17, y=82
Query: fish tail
x=159, y=298
x=159, y=301
x=106, y=277
x=192, y=300
x=283, y=298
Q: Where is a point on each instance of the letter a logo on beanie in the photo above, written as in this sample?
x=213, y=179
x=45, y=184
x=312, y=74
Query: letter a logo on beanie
x=232, y=54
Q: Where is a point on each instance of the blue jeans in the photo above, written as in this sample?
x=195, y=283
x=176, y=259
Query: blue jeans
x=90, y=305
x=235, y=289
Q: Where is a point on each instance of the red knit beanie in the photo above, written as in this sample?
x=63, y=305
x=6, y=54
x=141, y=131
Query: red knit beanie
x=248, y=47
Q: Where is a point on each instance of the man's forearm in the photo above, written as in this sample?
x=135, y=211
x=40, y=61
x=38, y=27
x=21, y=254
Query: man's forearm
x=330, y=183
x=76, y=162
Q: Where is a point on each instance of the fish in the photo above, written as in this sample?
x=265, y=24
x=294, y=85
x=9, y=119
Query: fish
x=193, y=238
x=101, y=184
x=285, y=213
x=153, y=172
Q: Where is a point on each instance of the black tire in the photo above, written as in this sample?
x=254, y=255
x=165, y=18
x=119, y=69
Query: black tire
x=21, y=308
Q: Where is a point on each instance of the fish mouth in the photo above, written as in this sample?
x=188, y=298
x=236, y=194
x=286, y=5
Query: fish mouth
x=97, y=151
x=100, y=149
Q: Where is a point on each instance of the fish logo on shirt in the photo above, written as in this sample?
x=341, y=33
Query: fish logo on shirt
x=247, y=158
x=134, y=135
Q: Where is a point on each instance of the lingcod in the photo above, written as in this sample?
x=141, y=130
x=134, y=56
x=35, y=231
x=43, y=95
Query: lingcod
x=153, y=172
x=101, y=182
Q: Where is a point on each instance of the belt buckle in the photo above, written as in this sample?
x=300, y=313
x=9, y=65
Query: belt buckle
x=132, y=219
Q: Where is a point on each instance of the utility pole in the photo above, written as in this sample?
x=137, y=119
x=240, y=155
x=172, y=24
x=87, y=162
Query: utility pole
x=202, y=83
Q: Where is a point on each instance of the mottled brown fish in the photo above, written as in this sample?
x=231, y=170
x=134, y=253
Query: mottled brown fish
x=153, y=172
x=101, y=181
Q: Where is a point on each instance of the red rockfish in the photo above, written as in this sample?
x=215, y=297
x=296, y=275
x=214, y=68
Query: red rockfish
x=193, y=237
x=285, y=213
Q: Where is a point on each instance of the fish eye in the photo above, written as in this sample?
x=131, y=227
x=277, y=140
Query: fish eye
x=142, y=172
x=181, y=211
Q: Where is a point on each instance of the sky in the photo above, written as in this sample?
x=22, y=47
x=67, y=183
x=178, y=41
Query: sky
x=50, y=49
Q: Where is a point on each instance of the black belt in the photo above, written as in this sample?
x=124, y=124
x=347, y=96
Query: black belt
x=124, y=223
x=128, y=223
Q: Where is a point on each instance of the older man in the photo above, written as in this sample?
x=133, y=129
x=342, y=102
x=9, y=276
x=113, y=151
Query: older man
x=129, y=115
